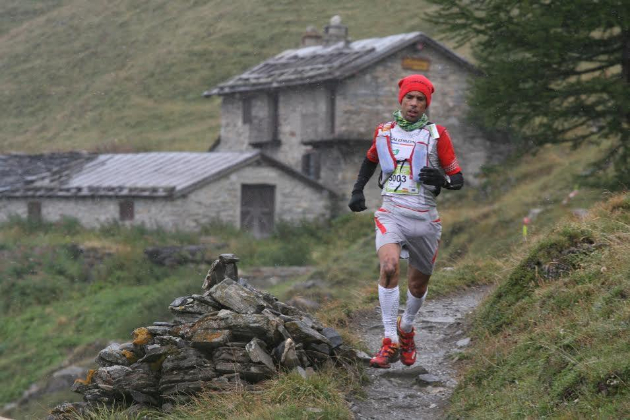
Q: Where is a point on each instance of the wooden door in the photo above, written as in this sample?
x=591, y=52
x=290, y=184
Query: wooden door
x=257, y=209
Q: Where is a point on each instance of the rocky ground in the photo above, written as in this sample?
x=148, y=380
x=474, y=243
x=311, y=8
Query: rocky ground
x=421, y=391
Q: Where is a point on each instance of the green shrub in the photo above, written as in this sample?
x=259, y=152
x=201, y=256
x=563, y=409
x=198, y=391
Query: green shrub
x=32, y=290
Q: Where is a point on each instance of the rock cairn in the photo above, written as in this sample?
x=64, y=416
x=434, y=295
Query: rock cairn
x=230, y=337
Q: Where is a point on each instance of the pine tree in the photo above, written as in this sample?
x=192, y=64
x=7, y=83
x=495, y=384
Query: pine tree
x=555, y=70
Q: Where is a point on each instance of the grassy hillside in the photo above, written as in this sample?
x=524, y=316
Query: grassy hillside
x=553, y=340
x=128, y=75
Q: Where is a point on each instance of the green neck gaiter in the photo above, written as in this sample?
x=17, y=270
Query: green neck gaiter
x=409, y=126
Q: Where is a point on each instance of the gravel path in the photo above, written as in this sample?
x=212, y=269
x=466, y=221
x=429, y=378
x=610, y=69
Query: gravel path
x=421, y=391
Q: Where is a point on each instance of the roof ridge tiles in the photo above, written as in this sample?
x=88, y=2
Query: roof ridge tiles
x=338, y=61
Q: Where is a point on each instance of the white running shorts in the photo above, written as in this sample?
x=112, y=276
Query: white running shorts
x=417, y=231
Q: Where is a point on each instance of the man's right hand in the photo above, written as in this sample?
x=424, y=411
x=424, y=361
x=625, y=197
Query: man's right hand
x=357, y=202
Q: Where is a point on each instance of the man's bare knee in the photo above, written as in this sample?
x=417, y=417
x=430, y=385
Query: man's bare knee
x=389, y=271
x=418, y=282
x=418, y=290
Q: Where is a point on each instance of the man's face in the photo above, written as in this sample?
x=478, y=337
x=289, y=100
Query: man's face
x=413, y=105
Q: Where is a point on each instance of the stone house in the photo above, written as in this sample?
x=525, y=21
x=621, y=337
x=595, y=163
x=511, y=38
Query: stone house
x=168, y=189
x=315, y=108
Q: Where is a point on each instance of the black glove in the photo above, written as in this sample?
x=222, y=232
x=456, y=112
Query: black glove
x=357, y=202
x=432, y=176
x=456, y=182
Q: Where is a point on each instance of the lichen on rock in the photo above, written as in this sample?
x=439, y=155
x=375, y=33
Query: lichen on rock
x=141, y=336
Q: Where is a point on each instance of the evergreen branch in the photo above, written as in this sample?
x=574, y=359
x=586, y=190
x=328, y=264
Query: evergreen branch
x=586, y=71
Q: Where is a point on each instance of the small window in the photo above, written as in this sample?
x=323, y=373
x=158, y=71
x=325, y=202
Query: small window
x=247, y=109
x=264, y=127
x=126, y=210
x=310, y=165
x=34, y=209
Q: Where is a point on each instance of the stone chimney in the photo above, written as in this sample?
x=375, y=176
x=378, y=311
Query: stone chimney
x=335, y=32
x=311, y=37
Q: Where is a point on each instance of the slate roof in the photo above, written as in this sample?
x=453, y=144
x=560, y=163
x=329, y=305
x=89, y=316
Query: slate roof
x=316, y=64
x=19, y=170
x=155, y=174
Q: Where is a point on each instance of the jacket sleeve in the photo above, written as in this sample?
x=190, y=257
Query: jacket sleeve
x=365, y=173
x=446, y=152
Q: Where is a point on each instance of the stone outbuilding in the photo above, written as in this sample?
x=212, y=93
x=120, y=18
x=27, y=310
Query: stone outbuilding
x=315, y=108
x=171, y=190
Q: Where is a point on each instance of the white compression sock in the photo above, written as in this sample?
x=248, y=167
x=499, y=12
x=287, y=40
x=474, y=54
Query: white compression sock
x=389, y=299
x=411, y=309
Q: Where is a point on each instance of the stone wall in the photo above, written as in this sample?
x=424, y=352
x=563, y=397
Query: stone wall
x=219, y=200
x=234, y=134
x=302, y=115
x=340, y=166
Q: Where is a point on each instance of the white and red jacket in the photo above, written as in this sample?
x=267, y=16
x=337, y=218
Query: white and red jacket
x=427, y=146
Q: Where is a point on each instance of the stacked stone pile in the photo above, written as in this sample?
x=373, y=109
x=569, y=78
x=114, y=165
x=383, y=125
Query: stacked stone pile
x=230, y=337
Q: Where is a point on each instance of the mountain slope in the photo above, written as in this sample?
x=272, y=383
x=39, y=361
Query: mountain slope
x=128, y=75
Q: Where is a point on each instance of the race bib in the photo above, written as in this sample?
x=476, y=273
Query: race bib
x=400, y=181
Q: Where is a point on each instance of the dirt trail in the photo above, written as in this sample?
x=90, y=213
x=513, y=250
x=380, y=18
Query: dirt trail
x=396, y=393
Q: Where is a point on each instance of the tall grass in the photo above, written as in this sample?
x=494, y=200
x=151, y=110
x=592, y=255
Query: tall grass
x=290, y=243
x=553, y=340
x=287, y=397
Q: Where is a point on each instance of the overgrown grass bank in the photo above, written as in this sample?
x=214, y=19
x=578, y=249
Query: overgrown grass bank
x=554, y=338
x=288, y=397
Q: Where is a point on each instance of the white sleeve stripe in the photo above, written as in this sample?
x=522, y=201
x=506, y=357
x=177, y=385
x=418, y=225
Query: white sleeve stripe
x=454, y=165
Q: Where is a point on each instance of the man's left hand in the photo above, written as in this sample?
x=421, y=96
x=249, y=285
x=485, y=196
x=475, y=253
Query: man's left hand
x=432, y=176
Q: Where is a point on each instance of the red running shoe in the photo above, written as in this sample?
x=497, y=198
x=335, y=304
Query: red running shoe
x=407, y=345
x=387, y=354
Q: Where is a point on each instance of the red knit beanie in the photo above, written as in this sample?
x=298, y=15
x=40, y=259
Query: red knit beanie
x=415, y=82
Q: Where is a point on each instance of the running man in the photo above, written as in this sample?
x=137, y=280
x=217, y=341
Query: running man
x=417, y=160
